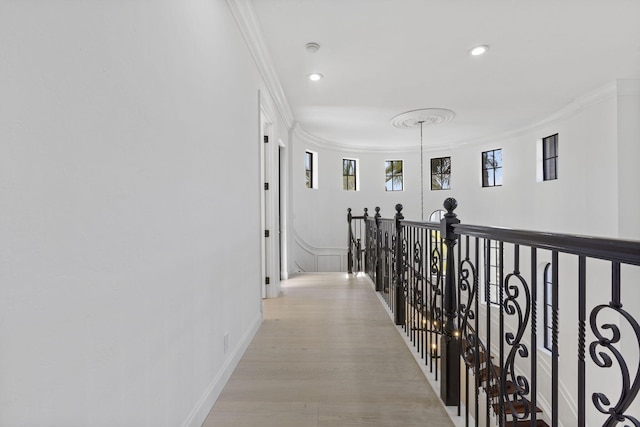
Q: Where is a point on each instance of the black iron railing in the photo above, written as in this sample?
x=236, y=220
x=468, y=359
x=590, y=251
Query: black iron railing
x=508, y=345
x=355, y=239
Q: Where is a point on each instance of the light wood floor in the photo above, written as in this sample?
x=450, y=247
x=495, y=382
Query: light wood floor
x=327, y=354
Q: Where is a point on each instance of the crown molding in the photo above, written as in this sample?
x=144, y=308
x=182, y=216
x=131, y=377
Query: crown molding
x=579, y=104
x=245, y=17
x=308, y=138
x=576, y=106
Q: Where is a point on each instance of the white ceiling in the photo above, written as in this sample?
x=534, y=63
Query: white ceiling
x=380, y=58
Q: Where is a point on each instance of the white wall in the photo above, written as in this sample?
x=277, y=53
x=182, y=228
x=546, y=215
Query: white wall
x=628, y=122
x=584, y=200
x=628, y=200
x=129, y=203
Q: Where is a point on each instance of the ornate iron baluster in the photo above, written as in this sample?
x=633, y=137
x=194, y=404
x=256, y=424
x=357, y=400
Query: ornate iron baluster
x=350, y=243
x=400, y=269
x=435, y=311
x=514, y=283
x=468, y=284
x=630, y=389
x=387, y=268
x=365, y=216
x=534, y=332
x=378, y=250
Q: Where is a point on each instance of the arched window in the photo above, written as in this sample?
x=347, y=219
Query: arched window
x=548, y=307
x=436, y=216
x=436, y=243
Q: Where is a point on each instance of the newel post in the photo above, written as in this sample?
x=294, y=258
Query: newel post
x=367, y=244
x=399, y=314
x=350, y=243
x=450, y=341
x=378, y=250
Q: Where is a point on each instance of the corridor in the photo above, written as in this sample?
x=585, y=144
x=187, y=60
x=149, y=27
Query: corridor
x=327, y=354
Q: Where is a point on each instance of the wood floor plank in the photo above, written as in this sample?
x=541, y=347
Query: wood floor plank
x=327, y=354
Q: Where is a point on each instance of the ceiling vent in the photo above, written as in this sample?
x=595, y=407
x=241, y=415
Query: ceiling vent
x=312, y=47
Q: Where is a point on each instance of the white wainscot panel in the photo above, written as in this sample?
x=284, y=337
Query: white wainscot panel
x=329, y=263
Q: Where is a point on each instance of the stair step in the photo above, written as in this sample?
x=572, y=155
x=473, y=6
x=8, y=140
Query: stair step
x=482, y=358
x=517, y=406
x=485, y=372
x=525, y=423
x=494, y=390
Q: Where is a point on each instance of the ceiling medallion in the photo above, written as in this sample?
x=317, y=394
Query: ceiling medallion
x=426, y=116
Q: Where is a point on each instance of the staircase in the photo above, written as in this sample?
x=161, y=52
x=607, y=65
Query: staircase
x=508, y=406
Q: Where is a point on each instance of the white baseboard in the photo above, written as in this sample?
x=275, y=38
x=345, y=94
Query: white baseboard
x=202, y=408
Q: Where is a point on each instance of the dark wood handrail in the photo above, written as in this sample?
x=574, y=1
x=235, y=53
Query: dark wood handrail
x=616, y=250
x=605, y=248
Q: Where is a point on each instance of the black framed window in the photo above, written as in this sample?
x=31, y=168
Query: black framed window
x=548, y=306
x=550, y=157
x=492, y=168
x=349, y=174
x=308, y=168
x=393, y=179
x=492, y=251
x=441, y=173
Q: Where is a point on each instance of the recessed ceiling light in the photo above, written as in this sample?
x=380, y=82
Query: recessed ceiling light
x=315, y=77
x=479, y=50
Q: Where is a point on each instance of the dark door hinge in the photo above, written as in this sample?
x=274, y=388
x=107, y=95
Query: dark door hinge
x=266, y=185
x=266, y=233
x=266, y=139
x=267, y=281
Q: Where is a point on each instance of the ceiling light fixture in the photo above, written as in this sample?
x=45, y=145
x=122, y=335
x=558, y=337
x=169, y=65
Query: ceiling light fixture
x=314, y=77
x=479, y=50
x=425, y=117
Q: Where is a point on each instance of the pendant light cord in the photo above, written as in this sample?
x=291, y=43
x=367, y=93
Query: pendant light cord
x=421, y=177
